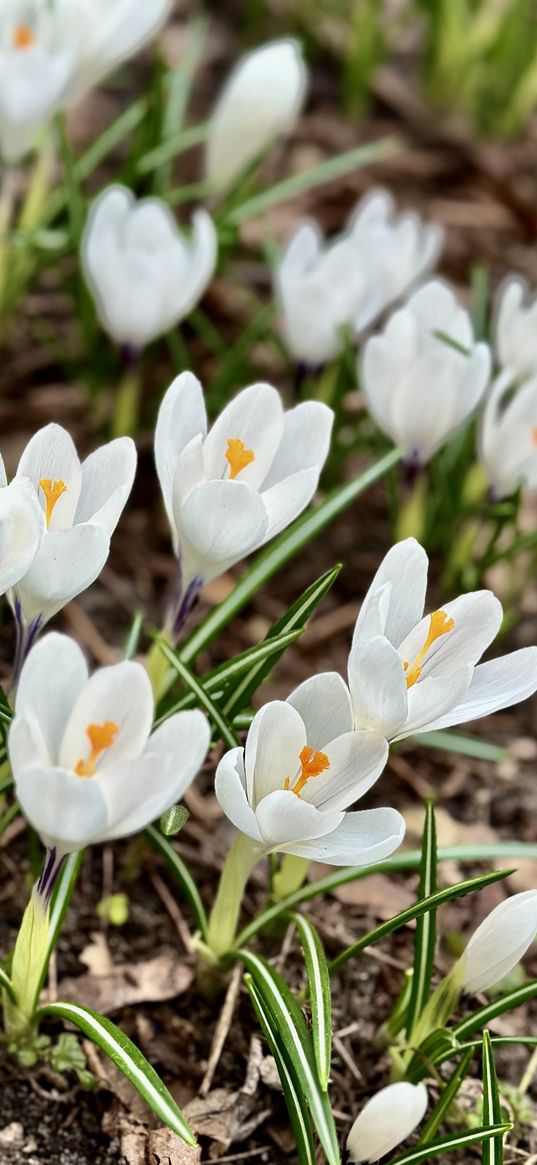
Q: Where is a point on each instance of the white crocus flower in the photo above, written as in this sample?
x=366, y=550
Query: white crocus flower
x=424, y=375
x=144, y=273
x=323, y=287
x=410, y=672
x=38, y=58
x=112, y=31
x=80, y=507
x=21, y=529
x=302, y=766
x=386, y=1120
x=229, y=490
x=499, y=943
x=85, y=765
x=259, y=103
x=507, y=440
x=515, y=329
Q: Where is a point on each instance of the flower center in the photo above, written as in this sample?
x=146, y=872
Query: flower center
x=439, y=625
x=53, y=491
x=101, y=737
x=237, y=456
x=23, y=37
x=312, y=764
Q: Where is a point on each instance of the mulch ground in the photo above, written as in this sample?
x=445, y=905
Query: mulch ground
x=141, y=973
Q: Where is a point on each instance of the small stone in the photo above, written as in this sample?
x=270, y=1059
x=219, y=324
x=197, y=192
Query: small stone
x=12, y=1136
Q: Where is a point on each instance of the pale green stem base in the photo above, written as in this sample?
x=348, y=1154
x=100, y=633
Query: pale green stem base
x=127, y=404
x=412, y=517
x=242, y=856
x=29, y=959
x=290, y=876
x=159, y=671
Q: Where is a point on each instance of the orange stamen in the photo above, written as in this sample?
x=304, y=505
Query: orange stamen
x=534, y=435
x=312, y=764
x=439, y=625
x=53, y=491
x=23, y=36
x=101, y=737
x=237, y=456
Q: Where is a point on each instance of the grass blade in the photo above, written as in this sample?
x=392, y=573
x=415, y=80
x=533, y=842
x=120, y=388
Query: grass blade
x=493, y=1149
x=128, y=1058
x=446, y=1098
x=203, y=698
x=279, y=552
x=325, y=172
x=447, y=741
x=425, y=939
x=182, y=875
x=459, y=1140
x=484, y=1015
x=419, y=908
x=319, y=996
x=297, y=1047
x=296, y=1105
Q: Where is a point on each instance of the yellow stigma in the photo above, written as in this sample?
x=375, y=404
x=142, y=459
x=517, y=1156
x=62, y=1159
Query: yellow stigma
x=53, y=491
x=101, y=737
x=23, y=36
x=312, y=764
x=238, y=456
x=439, y=625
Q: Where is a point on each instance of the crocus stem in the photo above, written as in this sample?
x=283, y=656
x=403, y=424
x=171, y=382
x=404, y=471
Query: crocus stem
x=7, y=203
x=31, y=953
x=290, y=876
x=127, y=402
x=241, y=858
x=412, y=516
x=26, y=636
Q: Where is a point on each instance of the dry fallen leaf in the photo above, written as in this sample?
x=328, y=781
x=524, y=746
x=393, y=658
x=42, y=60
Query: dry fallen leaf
x=166, y=1148
x=151, y=981
x=378, y=893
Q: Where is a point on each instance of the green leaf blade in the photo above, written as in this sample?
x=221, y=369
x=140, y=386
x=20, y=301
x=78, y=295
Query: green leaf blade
x=319, y=996
x=182, y=875
x=425, y=938
x=128, y=1058
x=459, y=1140
x=492, y=1149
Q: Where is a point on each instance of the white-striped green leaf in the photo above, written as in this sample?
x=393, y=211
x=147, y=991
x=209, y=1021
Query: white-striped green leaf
x=182, y=874
x=493, y=1149
x=203, y=698
x=296, y=1104
x=446, y=1098
x=415, y=911
x=129, y=1059
x=63, y=892
x=484, y=1015
x=296, y=1046
x=448, y=1144
x=425, y=937
x=320, y=997
x=270, y=561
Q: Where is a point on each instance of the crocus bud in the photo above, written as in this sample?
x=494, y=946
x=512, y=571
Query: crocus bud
x=507, y=439
x=323, y=287
x=37, y=63
x=515, y=328
x=424, y=375
x=386, y=1120
x=260, y=102
x=144, y=273
x=500, y=942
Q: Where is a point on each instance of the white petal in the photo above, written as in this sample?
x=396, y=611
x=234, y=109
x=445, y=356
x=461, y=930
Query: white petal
x=286, y=500
x=51, y=680
x=121, y=694
x=500, y=941
x=476, y=619
x=230, y=792
x=21, y=531
x=67, y=812
x=181, y=417
x=356, y=762
x=107, y=477
x=431, y=698
x=304, y=443
x=51, y=454
x=252, y=111
x=112, y=33
x=202, y=256
x=360, y=840
x=275, y=740
x=386, y=1120
x=324, y=704
x=500, y=683
x=255, y=417
x=378, y=687
x=405, y=568
x=67, y=562
x=220, y=523
x=284, y=819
